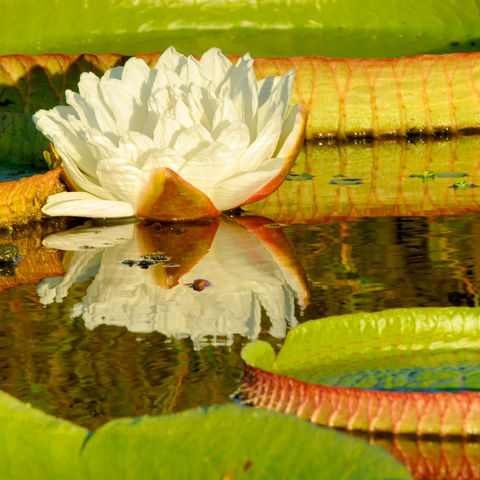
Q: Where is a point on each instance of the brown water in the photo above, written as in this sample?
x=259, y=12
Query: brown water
x=95, y=363
x=129, y=319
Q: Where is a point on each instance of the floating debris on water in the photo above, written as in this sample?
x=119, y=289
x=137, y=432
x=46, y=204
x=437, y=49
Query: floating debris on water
x=298, y=177
x=451, y=175
x=275, y=225
x=463, y=185
x=9, y=257
x=149, y=260
x=426, y=175
x=199, y=285
x=346, y=181
x=145, y=264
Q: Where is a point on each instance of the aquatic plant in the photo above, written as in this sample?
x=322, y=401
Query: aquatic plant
x=188, y=139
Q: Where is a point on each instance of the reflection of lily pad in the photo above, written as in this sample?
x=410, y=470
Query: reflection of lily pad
x=434, y=340
x=346, y=181
x=219, y=442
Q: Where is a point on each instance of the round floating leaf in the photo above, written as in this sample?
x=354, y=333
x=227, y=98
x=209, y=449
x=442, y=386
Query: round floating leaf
x=34, y=445
x=33, y=82
x=414, y=350
x=346, y=181
x=230, y=442
x=339, y=28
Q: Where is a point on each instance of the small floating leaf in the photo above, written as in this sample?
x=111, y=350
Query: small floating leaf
x=425, y=175
x=338, y=175
x=346, y=181
x=462, y=185
x=451, y=175
x=295, y=177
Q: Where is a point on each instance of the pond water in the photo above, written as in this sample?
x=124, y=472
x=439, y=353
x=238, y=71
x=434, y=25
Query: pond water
x=102, y=337
x=123, y=319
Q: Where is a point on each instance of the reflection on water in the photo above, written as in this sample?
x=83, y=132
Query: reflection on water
x=378, y=263
x=49, y=358
x=386, y=188
x=432, y=459
x=206, y=281
x=89, y=335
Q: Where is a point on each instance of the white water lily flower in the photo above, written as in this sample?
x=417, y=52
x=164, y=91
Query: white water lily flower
x=188, y=139
x=249, y=268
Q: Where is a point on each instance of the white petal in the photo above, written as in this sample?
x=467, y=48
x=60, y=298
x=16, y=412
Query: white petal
x=89, y=87
x=132, y=145
x=291, y=129
x=172, y=59
x=124, y=181
x=216, y=65
x=191, y=140
x=60, y=128
x=83, y=204
x=164, y=131
x=278, y=96
x=209, y=166
x=236, y=136
x=237, y=190
x=241, y=84
x=162, y=159
x=264, y=145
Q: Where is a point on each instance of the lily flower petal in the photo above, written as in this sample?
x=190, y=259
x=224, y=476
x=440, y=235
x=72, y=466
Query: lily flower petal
x=186, y=140
x=83, y=204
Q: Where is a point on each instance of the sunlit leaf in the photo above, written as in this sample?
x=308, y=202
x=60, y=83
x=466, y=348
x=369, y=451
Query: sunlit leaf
x=379, y=29
x=386, y=189
x=343, y=97
x=230, y=442
x=219, y=442
x=34, y=445
x=405, y=352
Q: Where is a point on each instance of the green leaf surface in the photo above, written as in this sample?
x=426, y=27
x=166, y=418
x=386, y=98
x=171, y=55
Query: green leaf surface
x=230, y=442
x=21, y=144
x=336, y=28
x=422, y=354
x=218, y=442
x=423, y=349
x=37, y=446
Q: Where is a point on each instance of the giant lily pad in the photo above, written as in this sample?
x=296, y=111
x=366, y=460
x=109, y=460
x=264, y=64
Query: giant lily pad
x=303, y=378
x=230, y=442
x=343, y=97
x=220, y=442
x=21, y=200
x=276, y=28
x=36, y=445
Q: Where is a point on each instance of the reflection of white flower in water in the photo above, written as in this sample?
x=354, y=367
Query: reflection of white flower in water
x=187, y=139
x=248, y=269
